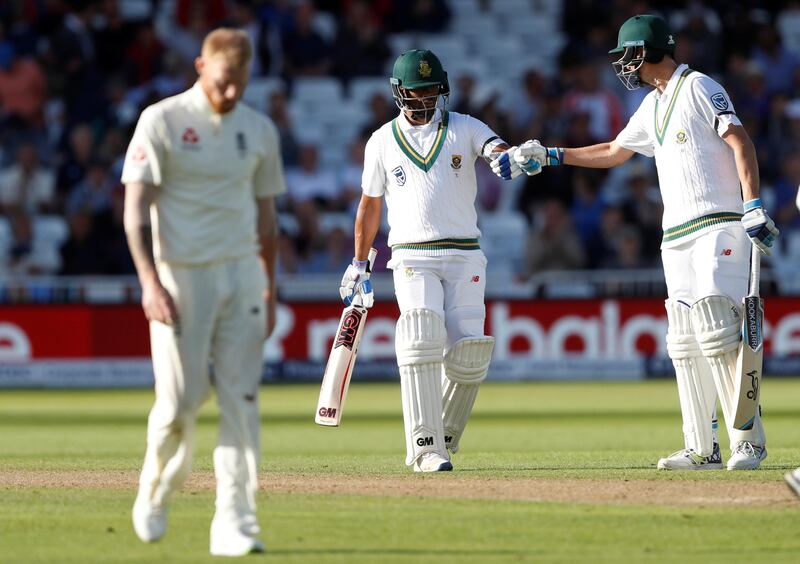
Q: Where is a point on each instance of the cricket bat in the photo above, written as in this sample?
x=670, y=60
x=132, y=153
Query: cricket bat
x=750, y=360
x=336, y=379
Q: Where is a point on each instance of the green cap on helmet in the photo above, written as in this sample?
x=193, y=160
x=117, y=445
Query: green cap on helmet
x=418, y=68
x=645, y=31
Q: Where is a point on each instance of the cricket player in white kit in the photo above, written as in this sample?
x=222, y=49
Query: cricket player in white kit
x=422, y=163
x=200, y=176
x=706, y=167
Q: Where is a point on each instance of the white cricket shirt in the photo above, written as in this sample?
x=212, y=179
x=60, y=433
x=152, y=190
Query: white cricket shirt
x=208, y=168
x=683, y=127
x=427, y=175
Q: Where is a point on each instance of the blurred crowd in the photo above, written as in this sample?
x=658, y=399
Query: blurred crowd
x=75, y=74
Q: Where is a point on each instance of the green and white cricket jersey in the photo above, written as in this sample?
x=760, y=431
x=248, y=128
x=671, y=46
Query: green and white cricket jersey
x=683, y=127
x=208, y=168
x=427, y=174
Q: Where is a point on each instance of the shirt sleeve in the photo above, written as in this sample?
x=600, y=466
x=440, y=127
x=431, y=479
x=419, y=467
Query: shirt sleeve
x=373, y=179
x=268, y=178
x=484, y=139
x=635, y=135
x=713, y=104
x=144, y=161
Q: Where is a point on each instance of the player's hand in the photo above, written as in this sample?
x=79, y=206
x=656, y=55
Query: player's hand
x=532, y=156
x=505, y=166
x=355, y=283
x=158, y=305
x=759, y=226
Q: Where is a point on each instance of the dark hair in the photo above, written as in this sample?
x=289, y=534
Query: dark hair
x=654, y=56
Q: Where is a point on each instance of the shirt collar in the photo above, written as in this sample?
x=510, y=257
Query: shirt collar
x=673, y=81
x=405, y=125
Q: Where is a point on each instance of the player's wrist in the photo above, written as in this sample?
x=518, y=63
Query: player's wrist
x=360, y=265
x=555, y=156
x=753, y=204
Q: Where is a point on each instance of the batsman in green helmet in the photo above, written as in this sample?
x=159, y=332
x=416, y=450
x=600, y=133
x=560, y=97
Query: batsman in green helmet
x=423, y=164
x=714, y=224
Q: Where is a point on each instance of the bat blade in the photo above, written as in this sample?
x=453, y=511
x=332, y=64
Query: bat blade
x=339, y=369
x=749, y=364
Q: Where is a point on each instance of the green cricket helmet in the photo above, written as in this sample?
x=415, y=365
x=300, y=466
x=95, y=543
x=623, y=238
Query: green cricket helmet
x=418, y=68
x=642, y=39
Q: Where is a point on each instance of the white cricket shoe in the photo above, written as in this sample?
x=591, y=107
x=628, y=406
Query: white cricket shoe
x=229, y=540
x=432, y=462
x=149, y=521
x=746, y=456
x=688, y=459
x=793, y=480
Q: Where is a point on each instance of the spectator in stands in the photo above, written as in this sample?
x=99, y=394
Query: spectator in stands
x=529, y=110
x=602, y=249
x=591, y=97
x=27, y=185
x=308, y=182
x=429, y=16
x=305, y=51
x=112, y=39
x=770, y=54
x=264, y=36
x=143, y=56
x=28, y=255
x=287, y=254
x=627, y=245
x=279, y=112
x=80, y=253
x=587, y=205
x=73, y=168
x=350, y=175
x=359, y=49
x=785, y=189
x=642, y=207
x=553, y=244
x=23, y=87
x=380, y=111
x=94, y=192
x=116, y=254
x=309, y=240
x=464, y=90
x=700, y=27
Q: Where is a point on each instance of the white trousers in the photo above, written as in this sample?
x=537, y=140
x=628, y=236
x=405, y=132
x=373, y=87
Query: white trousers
x=222, y=321
x=452, y=286
x=715, y=264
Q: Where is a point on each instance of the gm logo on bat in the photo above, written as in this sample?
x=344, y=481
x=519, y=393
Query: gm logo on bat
x=348, y=330
x=327, y=412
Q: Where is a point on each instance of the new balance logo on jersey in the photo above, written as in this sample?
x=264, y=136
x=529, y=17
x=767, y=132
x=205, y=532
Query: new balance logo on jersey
x=399, y=175
x=726, y=252
x=476, y=278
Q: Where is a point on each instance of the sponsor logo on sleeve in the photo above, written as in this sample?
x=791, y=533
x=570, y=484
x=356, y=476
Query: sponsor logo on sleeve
x=720, y=101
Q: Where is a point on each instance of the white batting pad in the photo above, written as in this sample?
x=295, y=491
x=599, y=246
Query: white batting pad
x=717, y=324
x=419, y=343
x=695, y=384
x=465, y=367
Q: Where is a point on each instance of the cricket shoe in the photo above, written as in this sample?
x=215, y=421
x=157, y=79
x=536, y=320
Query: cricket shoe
x=227, y=539
x=432, y=462
x=149, y=521
x=688, y=459
x=746, y=456
x=793, y=480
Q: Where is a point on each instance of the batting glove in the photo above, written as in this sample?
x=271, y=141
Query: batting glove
x=356, y=284
x=759, y=226
x=505, y=166
x=532, y=156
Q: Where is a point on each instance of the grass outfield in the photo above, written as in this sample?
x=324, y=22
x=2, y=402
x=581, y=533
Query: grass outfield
x=547, y=473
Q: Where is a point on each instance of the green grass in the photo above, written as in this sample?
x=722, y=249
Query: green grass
x=576, y=430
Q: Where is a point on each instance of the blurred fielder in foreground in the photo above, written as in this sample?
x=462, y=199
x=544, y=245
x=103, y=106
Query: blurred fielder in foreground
x=204, y=169
x=422, y=162
x=702, y=155
x=793, y=477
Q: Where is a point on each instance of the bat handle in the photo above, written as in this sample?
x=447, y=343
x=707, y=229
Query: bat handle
x=755, y=271
x=373, y=253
